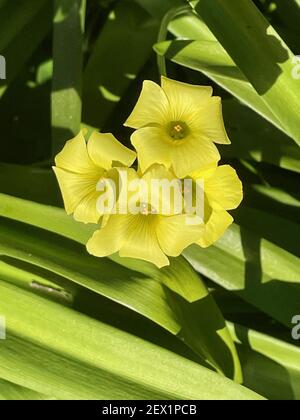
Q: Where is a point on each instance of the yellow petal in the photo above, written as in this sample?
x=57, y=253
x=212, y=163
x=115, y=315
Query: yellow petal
x=215, y=228
x=75, y=188
x=142, y=241
x=86, y=211
x=74, y=156
x=165, y=190
x=152, y=147
x=110, y=238
x=224, y=188
x=210, y=121
x=103, y=149
x=184, y=98
x=152, y=107
x=205, y=171
x=133, y=236
x=174, y=234
x=192, y=154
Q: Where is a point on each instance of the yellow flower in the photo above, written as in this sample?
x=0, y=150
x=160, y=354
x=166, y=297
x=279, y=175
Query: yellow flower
x=80, y=166
x=151, y=233
x=177, y=125
x=223, y=191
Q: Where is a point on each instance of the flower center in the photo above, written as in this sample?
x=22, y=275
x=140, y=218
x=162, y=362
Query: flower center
x=178, y=130
x=146, y=209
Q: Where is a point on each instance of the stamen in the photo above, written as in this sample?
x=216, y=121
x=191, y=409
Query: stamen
x=147, y=209
x=178, y=130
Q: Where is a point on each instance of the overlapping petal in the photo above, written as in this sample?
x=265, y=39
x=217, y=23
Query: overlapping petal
x=152, y=107
x=175, y=233
x=74, y=157
x=223, y=191
x=104, y=149
x=79, y=168
x=214, y=229
x=210, y=123
x=142, y=243
x=77, y=189
x=184, y=98
x=224, y=188
x=111, y=237
x=187, y=156
x=153, y=146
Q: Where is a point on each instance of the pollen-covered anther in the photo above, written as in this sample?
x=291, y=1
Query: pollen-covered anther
x=178, y=130
x=146, y=209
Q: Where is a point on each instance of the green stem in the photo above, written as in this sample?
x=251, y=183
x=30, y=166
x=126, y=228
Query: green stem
x=163, y=32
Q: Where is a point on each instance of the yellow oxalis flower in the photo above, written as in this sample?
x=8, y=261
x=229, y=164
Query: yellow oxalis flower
x=149, y=234
x=177, y=125
x=223, y=191
x=81, y=165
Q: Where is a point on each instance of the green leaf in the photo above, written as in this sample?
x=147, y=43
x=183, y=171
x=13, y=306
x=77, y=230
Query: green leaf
x=67, y=70
x=13, y=19
x=10, y=391
x=23, y=44
x=64, y=354
x=253, y=138
x=278, y=230
x=271, y=366
x=29, y=182
x=159, y=8
x=121, y=50
x=139, y=285
x=257, y=270
x=268, y=63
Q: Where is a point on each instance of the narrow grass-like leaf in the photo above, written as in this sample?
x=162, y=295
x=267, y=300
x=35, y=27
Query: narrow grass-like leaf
x=261, y=273
x=22, y=46
x=13, y=19
x=253, y=138
x=10, y=391
x=49, y=344
x=143, y=290
x=269, y=63
x=67, y=71
x=121, y=50
x=271, y=366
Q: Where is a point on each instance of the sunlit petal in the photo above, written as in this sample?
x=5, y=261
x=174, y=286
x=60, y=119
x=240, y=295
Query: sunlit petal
x=152, y=146
x=75, y=188
x=142, y=241
x=224, y=188
x=175, y=233
x=192, y=154
x=103, y=149
x=74, y=156
x=184, y=98
x=110, y=238
x=209, y=122
x=214, y=229
x=152, y=107
x=86, y=211
x=165, y=190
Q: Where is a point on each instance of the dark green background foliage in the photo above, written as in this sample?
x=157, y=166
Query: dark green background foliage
x=80, y=327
